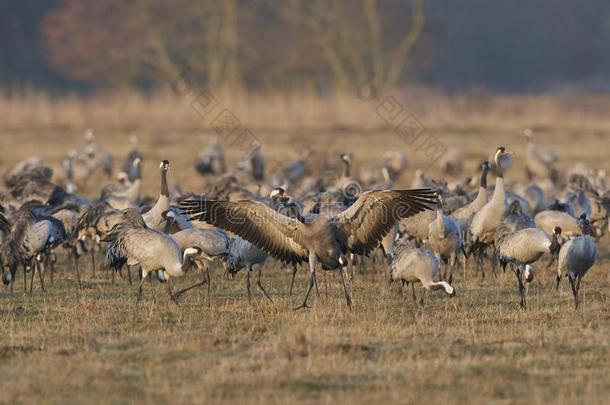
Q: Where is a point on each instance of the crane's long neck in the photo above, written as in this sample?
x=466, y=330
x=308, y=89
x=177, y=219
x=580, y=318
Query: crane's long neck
x=484, y=179
x=499, y=191
x=555, y=246
x=137, y=166
x=346, y=169
x=164, y=187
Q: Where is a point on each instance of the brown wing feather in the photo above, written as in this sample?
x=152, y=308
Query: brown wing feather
x=276, y=234
x=372, y=216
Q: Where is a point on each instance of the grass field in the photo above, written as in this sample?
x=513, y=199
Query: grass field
x=479, y=347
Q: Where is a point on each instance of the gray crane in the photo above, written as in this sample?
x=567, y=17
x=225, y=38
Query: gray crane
x=32, y=235
x=523, y=247
x=576, y=257
x=243, y=254
x=445, y=238
x=485, y=221
x=131, y=242
x=358, y=229
x=412, y=265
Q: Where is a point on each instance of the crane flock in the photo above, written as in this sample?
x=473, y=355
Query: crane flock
x=246, y=217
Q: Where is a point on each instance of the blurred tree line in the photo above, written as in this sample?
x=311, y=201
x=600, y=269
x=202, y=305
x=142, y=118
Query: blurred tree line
x=304, y=44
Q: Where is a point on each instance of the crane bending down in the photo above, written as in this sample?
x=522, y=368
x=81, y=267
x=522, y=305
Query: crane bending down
x=131, y=242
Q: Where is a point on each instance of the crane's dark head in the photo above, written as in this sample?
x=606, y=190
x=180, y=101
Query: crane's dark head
x=585, y=225
x=7, y=277
x=515, y=207
x=233, y=266
x=486, y=166
x=164, y=166
x=346, y=157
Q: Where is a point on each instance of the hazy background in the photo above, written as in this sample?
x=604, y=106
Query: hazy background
x=304, y=45
x=474, y=73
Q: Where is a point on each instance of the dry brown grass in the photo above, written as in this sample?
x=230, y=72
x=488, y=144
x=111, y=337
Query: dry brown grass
x=477, y=347
x=292, y=112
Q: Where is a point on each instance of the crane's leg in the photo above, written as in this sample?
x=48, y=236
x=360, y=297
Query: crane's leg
x=140, y=289
x=258, y=282
x=517, y=270
x=578, y=280
x=80, y=285
x=421, y=299
x=129, y=274
x=206, y=279
x=558, y=280
x=92, y=251
x=40, y=266
x=152, y=287
x=33, y=270
x=493, y=267
x=413, y=292
x=325, y=286
x=25, y=279
x=49, y=262
x=478, y=259
x=294, y=273
x=574, y=290
x=353, y=261
x=348, y=298
x=464, y=262
x=312, y=280
x=453, y=260
x=170, y=292
x=402, y=288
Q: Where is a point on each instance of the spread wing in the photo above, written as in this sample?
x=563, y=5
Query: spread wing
x=276, y=234
x=372, y=216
